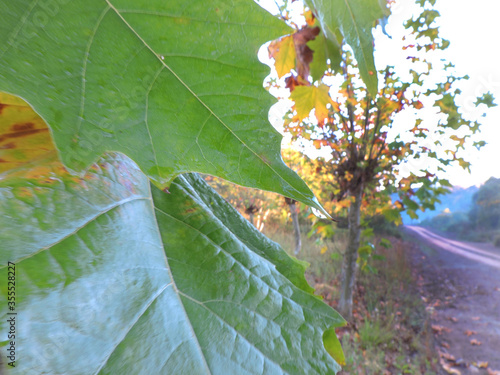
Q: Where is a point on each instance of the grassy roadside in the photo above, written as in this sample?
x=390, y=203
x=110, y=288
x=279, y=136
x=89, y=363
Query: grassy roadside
x=390, y=331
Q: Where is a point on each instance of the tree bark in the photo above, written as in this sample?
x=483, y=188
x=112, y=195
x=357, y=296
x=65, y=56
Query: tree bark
x=296, y=227
x=348, y=277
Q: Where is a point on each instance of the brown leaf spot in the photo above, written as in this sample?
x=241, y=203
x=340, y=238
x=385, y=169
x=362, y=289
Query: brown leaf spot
x=3, y=161
x=8, y=146
x=22, y=127
x=2, y=106
x=22, y=130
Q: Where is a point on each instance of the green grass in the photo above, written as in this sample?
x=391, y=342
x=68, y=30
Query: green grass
x=324, y=265
x=376, y=332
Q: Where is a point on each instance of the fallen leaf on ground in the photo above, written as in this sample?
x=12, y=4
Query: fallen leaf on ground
x=470, y=333
x=492, y=372
x=453, y=319
x=447, y=356
x=449, y=369
x=475, y=342
x=444, y=344
x=482, y=364
x=476, y=318
x=438, y=329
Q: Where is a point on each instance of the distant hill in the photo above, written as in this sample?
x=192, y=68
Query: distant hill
x=459, y=200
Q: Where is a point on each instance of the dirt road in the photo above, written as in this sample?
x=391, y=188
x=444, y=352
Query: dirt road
x=461, y=285
x=490, y=258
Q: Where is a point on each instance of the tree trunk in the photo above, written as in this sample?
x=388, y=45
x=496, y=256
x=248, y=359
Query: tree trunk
x=296, y=227
x=351, y=255
x=250, y=218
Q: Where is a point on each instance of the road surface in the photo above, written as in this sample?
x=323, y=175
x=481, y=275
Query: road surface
x=461, y=286
x=465, y=250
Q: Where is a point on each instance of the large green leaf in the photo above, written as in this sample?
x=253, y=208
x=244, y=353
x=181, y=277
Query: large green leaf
x=174, y=85
x=351, y=20
x=115, y=276
x=114, y=279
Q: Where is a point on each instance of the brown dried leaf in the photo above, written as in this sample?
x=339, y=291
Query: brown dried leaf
x=470, y=333
x=292, y=81
x=449, y=369
x=475, y=342
x=303, y=52
x=447, y=356
x=439, y=329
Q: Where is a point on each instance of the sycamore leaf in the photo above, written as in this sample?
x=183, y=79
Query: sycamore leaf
x=324, y=49
x=292, y=52
x=117, y=277
x=308, y=97
x=284, y=54
x=177, y=88
x=353, y=19
x=304, y=53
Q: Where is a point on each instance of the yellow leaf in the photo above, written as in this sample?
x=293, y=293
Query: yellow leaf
x=308, y=97
x=308, y=15
x=324, y=249
x=284, y=54
x=333, y=347
x=24, y=136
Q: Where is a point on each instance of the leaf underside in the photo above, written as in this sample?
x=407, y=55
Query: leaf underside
x=351, y=20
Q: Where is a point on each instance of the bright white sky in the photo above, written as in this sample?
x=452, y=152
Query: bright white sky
x=474, y=32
